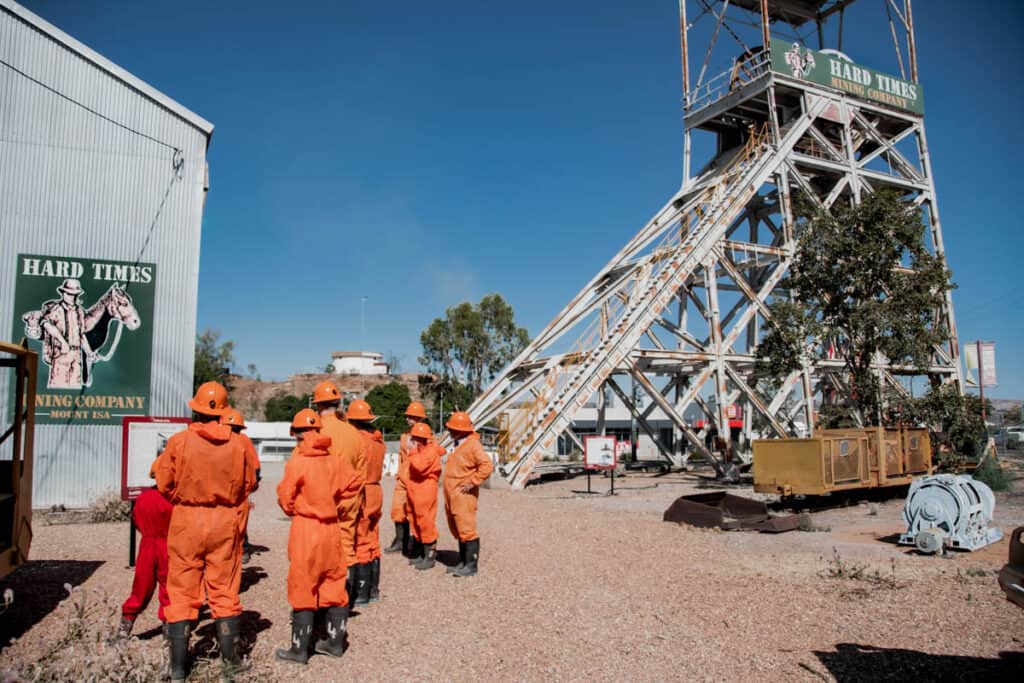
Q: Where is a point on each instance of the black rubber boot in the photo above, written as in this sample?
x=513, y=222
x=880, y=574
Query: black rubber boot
x=228, y=631
x=337, y=633
x=462, y=560
x=177, y=647
x=362, y=584
x=399, y=542
x=409, y=540
x=375, y=580
x=472, y=557
x=415, y=551
x=429, y=557
x=302, y=631
x=350, y=584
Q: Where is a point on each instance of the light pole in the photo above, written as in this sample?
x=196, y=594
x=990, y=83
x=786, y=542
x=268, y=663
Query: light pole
x=362, y=323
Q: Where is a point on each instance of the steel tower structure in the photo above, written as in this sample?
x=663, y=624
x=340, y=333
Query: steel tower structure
x=679, y=310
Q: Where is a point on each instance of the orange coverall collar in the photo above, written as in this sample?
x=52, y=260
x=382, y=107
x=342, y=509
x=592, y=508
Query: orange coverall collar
x=211, y=431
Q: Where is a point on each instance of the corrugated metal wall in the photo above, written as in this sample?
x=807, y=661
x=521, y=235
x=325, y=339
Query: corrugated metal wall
x=77, y=182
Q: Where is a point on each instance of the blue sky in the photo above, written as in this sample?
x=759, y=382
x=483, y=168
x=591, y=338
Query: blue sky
x=422, y=154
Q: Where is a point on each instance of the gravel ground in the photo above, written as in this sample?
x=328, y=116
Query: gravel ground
x=579, y=587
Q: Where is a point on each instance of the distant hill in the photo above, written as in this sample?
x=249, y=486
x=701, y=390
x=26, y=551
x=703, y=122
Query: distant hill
x=251, y=395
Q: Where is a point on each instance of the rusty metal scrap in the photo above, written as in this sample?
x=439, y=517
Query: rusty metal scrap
x=729, y=512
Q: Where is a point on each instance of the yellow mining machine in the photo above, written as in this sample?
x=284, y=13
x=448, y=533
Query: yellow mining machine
x=16, y=455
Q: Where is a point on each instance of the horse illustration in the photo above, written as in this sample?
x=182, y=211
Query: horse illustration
x=115, y=305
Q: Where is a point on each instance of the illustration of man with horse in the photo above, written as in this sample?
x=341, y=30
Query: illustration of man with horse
x=72, y=335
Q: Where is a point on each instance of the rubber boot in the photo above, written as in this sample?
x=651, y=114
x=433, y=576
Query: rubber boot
x=399, y=542
x=429, y=557
x=462, y=560
x=124, y=629
x=362, y=584
x=472, y=557
x=415, y=551
x=375, y=580
x=350, y=584
x=177, y=649
x=337, y=632
x=409, y=540
x=228, y=631
x=302, y=631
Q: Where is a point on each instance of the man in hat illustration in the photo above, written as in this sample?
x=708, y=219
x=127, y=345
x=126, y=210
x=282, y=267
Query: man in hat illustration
x=65, y=345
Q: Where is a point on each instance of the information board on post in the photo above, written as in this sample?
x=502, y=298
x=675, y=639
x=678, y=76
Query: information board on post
x=599, y=452
x=143, y=439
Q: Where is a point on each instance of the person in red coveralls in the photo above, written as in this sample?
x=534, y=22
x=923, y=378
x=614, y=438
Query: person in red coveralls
x=151, y=516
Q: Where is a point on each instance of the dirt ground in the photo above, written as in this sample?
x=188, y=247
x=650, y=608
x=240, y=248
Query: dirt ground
x=575, y=587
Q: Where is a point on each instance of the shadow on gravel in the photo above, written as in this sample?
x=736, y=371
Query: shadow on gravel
x=205, y=644
x=250, y=577
x=840, y=499
x=448, y=558
x=151, y=633
x=38, y=587
x=852, y=662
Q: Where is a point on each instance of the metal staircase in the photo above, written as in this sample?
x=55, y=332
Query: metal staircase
x=680, y=309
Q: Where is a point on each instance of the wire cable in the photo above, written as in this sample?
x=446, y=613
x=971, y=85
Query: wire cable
x=87, y=107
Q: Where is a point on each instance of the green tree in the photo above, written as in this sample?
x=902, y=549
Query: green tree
x=282, y=407
x=446, y=395
x=954, y=419
x=213, y=359
x=389, y=402
x=472, y=343
x=863, y=283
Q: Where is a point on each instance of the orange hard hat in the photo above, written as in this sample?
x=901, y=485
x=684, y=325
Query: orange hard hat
x=211, y=399
x=306, y=419
x=421, y=430
x=232, y=418
x=326, y=392
x=416, y=409
x=459, y=422
x=359, y=410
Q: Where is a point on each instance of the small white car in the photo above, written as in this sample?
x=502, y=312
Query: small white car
x=1015, y=436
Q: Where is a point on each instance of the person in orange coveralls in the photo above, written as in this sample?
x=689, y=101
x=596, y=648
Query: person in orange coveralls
x=414, y=414
x=151, y=515
x=234, y=419
x=314, y=485
x=367, y=586
x=205, y=474
x=468, y=467
x=347, y=445
x=421, y=475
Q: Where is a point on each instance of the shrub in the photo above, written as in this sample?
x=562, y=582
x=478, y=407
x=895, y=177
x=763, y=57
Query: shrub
x=108, y=507
x=991, y=473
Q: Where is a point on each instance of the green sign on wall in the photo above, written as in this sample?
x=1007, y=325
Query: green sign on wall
x=833, y=71
x=91, y=322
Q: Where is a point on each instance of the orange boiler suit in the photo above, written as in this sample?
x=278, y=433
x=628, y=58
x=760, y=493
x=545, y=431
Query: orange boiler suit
x=422, y=473
x=205, y=474
x=348, y=446
x=253, y=462
x=314, y=486
x=368, y=526
x=399, y=504
x=151, y=515
x=468, y=464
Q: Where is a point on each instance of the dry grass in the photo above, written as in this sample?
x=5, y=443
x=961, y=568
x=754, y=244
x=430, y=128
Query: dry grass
x=108, y=507
x=838, y=568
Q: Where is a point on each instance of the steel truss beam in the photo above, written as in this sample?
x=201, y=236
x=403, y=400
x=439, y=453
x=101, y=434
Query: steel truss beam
x=682, y=307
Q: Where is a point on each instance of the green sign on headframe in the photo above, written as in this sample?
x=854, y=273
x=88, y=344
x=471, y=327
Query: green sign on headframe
x=833, y=71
